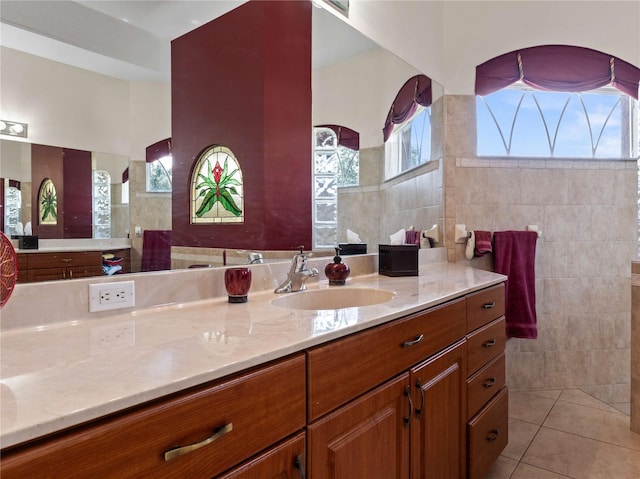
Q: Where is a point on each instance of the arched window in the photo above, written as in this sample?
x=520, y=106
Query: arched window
x=348, y=146
x=407, y=128
x=159, y=167
x=217, y=188
x=557, y=101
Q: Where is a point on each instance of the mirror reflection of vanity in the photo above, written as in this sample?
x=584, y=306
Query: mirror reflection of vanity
x=354, y=92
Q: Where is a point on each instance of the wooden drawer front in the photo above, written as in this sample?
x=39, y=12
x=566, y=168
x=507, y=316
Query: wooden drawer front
x=263, y=406
x=483, y=385
x=488, y=433
x=64, y=260
x=485, y=306
x=51, y=274
x=485, y=344
x=281, y=461
x=348, y=367
x=22, y=261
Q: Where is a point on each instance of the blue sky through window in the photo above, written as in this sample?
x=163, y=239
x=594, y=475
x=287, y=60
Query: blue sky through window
x=533, y=123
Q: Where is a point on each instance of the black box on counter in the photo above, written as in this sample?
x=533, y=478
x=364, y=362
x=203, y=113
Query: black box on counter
x=398, y=260
x=27, y=241
x=347, y=249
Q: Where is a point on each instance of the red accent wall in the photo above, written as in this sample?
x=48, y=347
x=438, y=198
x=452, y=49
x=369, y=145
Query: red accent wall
x=244, y=81
x=46, y=162
x=70, y=171
x=78, y=194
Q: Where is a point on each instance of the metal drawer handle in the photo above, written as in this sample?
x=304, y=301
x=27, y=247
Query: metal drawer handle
x=489, y=305
x=299, y=465
x=66, y=260
x=414, y=341
x=489, y=383
x=489, y=344
x=182, y=450
x=419, y=388
x=407, y=392
x=493, y=435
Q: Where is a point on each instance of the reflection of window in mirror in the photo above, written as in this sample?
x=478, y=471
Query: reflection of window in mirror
x=409, y=146
x=101, y=204
x=348, y=151
x=47, y=203
x=12, y=213
x=159, y=175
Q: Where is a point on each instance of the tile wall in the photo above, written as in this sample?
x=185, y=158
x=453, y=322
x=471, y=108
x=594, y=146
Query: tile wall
x=587, y=212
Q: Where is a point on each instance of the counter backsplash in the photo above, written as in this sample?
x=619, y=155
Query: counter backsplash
x=35, y=304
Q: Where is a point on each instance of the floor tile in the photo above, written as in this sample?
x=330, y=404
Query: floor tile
x=525, y=471
x=580, y=457
x=521, y=434
x=502, y=469
x=576, y=396
x=531, y=406
x=604, y=425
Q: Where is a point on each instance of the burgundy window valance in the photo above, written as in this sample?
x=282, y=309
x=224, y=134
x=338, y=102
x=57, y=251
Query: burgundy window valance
x=125, y=175
x=346, y=136
x=14, y=184
x=414, y=93
x=557, y=68
x=158, y=150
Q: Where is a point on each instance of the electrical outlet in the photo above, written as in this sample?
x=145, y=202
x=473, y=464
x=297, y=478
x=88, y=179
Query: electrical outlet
x=105, y=296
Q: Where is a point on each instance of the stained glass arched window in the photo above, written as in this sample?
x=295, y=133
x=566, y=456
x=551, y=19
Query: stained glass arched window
x=47, y=203
x=217, y=189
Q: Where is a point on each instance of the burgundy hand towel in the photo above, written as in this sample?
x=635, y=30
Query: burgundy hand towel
x=412, y=237
x=514, y=256
x=483, y=242
x=156, y=250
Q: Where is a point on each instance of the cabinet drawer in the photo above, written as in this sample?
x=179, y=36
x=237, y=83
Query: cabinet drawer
x=483, y=385
x=488, y=433
x=348, y=367
x=485, y=306
x=263, y=407
x=280, y=461
x=64, y=260
x=485, y=344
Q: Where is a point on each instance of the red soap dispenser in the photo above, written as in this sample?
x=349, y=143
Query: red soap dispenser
x=337, y=272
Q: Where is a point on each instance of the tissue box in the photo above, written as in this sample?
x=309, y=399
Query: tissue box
x=347, y=249
x=398, y=260
x=27, y=242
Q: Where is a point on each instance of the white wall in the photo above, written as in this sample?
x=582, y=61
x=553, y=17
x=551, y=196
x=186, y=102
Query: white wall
x=70, y=107
x=447, y=39
x=358, y=93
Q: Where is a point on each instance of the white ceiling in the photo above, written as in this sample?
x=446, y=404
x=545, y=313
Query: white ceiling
x=131, y=39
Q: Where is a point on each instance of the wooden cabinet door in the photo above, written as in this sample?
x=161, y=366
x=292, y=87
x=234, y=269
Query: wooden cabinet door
x=438, y=425
x=284, y=461
x=367, y=438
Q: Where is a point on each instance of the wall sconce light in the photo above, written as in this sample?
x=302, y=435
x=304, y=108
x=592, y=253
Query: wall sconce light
x=13, y=128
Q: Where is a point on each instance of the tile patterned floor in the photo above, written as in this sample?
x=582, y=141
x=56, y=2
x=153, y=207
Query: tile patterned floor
x=560, y=434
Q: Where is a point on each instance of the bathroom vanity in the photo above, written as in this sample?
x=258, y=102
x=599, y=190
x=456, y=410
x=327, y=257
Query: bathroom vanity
x=412, y=387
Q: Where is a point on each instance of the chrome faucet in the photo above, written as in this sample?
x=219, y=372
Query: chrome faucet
x=298, y=274
x=255, y=257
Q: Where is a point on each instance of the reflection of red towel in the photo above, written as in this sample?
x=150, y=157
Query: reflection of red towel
x=156, y=250
x=483, y=242
x=515, y=255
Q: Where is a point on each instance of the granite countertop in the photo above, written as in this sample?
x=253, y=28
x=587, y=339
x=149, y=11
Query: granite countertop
x=58, y=375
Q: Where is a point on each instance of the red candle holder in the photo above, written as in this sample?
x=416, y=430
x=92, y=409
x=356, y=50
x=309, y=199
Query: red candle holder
x=237, y=281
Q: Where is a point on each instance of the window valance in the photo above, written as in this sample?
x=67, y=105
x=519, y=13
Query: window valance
x=557, y=68
x=125, y=175
x=158, y=150
x=414, y=93
x=346, y=136
x=14, y=184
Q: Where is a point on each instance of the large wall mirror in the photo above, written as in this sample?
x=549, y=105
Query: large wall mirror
x=351, y=87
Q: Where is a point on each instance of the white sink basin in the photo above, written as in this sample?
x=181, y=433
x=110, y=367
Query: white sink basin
x=334, y=298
